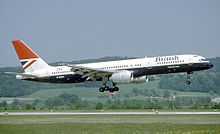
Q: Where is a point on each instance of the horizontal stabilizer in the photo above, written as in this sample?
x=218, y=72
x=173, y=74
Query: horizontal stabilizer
x=21, y=74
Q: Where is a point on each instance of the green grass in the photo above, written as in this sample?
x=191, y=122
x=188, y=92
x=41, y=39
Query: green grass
x=117, y=119
x=109, y=129
x=106, y=124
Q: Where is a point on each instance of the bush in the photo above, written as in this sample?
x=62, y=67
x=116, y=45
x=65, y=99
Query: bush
x=99, y=106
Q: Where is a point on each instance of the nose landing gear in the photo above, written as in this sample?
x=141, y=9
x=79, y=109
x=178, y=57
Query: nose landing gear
x=188, y=80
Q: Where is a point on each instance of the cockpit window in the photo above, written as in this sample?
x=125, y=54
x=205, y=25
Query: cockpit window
x=203, y=59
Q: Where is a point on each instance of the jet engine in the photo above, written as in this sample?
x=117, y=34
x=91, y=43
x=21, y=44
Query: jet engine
x=126, y=77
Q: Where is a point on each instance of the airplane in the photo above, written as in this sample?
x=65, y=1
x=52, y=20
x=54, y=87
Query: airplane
x=115, y=72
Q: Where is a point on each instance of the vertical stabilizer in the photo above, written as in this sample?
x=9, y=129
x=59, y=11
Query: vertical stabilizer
x=29, y=59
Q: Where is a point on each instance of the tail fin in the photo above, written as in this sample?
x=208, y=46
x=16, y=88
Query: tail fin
x=29, y=59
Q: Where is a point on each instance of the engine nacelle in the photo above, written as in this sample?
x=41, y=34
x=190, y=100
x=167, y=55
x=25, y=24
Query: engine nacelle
x=126, y=77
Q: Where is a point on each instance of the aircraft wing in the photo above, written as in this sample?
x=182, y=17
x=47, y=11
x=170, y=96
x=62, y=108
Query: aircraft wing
x=92, y=73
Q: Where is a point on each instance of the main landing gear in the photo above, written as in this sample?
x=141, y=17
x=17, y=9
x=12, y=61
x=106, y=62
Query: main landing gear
x=107, y=88
x=188, y=80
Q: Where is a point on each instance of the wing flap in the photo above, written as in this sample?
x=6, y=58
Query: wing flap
x=92, y=73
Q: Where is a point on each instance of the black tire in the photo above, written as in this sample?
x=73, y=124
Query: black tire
x=111, y=90
x=116, y=89
x=188, y=82
x=101, y=89
x=106, y=88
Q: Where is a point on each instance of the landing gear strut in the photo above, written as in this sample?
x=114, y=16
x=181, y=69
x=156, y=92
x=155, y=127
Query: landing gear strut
x=114, y=88
x=107, y=88
x=188, y=81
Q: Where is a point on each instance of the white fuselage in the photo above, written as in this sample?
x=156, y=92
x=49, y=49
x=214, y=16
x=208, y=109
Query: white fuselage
x=146, y=62
x=130, y=64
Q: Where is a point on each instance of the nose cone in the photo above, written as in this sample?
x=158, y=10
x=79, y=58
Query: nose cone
x=207, y=65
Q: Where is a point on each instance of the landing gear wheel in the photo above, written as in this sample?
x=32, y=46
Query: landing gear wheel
x=111, y=90
x=106, y=88
x=116, y=89
x=101, y=89
x=188, y=82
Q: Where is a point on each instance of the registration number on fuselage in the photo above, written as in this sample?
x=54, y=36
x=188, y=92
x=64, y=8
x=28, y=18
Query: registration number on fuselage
x=173, y=66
